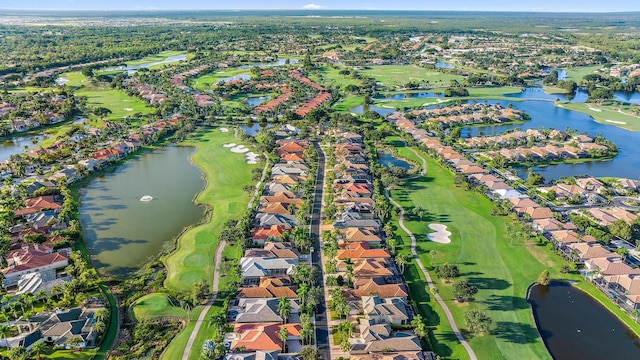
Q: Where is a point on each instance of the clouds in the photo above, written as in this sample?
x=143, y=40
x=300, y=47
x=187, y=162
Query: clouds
x=313, y=6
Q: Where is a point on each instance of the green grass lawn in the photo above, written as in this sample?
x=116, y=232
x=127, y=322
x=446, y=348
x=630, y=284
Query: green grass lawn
x=394, y=75
x=76, y=79
x=226, y=174
x=205, y=82
x=501, y=268
x=577, y=73
x=154, y=58
x=120, y=104
x=345, y=105
x=605, y=114
x=155, y=305
x=176, y=347
x=331, y=76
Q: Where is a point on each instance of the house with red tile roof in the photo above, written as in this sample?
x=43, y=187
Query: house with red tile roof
x=30, y=260
x=38, y=204
x=360, y=250
x=262, y=336
x=270, y=287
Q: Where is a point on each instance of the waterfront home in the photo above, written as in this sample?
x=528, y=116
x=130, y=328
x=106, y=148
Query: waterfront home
x=40, y=203
x=582, y=251
x=625, y=289
x=628, y=184
x=261, y=336
x=32, y=259
x=612, y=265
x=68, y=175
x=591, y=184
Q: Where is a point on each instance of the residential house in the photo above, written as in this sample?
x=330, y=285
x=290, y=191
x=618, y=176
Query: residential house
x=29, y=260
x=253, y=269
x=261, y=336
x=253, y=310
x=270, y=288
x=391, y=311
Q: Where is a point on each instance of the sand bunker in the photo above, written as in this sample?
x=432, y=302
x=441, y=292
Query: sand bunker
x=251, y=162
x=616, y=122
x=229, y=145
x=594, y=109
x=224, y=129
x=240, y=149
x=128, y=109
x=441, y=235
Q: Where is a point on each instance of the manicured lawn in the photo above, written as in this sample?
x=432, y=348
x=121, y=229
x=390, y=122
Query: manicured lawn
x=120, y=104
x=205, y=82
x=605, y=114
x=331, y=76
x=176, y=347
x=394, y=75
x=226, y=174
x=155, y=305
x=76, y=79
x=500, y=267
x=576, y=74
x=345, y=105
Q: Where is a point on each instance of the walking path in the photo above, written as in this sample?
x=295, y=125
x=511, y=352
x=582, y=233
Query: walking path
x=214, y=286
x=452, y=323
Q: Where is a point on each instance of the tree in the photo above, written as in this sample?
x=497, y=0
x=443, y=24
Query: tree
x=391, y=243
x=309, y=353
x=447, y=272
x=17, y=353
x=402, y=260
x=544, y=278
x=284, y=309
x=345, y=346
x=186, y=304
x=219, y=320
x=419, y=327
x=283, y=334
x=463, y=291
x=200, y=290
x=477, y=321
x=37, y=351
x=533, y=178
x=4, y=330
x=621, y=229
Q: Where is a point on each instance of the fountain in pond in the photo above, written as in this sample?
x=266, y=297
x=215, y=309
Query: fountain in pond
x=146, y=198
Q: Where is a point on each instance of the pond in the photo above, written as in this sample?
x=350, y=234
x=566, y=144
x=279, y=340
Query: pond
x=132, y=68
x=255, y=101
x=361, y=109
x=575, y=326
x=17, y=145
x=580, y=96
x=444, y=65
x=120, y=230
x=545, y=114
x=279, y=62
x=252, y=129
x=416, y=95
x=386, y=158
x=243, y=77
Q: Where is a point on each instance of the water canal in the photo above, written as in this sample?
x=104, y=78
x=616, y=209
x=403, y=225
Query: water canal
x=575, y=326
x=120, y=230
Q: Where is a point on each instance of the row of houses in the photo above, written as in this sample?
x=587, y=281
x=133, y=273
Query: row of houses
x=516, y=137
x=267, y=268
x=611, y=273
x=379, y=297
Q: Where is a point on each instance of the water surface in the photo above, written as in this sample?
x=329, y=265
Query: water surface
x=120, y=230
x=575, y=326
x=387, y=159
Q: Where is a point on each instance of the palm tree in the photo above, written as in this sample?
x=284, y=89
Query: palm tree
x=391, y=242
x=284, y=309
x=401, y=261
x=4, y=329
x=283, y=334
x=37, y=351
x=219, y=320
x=101, y=314
x=186, y=304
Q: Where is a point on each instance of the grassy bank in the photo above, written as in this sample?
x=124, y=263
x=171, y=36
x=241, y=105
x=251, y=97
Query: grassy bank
x=226, y=174
x=396, y=75
x=154, y=306
x=606, y=114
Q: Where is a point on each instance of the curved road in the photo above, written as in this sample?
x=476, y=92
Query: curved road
x=214, y=286
x=452, y=323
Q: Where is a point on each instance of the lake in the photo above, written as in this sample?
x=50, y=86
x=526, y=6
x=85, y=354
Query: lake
x=120, y=230
x=360, y=109
x=252, y=129
x=444, y=65
x=580, y=96
x=232, y=78
x=406, y=96
x=132, y=68
x=545, y=114
x=575, y=326
x=386, y=158
x=279, y=62
x=255, y=101
x=17, y=145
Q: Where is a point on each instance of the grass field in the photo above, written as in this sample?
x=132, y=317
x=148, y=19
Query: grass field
x=154, y=306
x=576, y=74
x=345, y=105
x=500, y=267
x=76, y=79
x=226, y=174
x=205, y=82
x=394, y=75
x=154, y=58
x=120, y=104
x=606, y=115
x=331, y=76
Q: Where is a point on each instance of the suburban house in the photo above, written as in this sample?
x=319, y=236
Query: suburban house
x=391, y=311
x=253, y=310
x=252, y=269
x=269, y=288
x=261, y=336
x=29, y=260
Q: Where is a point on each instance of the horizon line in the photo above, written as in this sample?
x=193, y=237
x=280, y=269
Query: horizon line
x=327, y=9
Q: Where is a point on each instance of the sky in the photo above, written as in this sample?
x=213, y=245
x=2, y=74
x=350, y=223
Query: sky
x=463, y=5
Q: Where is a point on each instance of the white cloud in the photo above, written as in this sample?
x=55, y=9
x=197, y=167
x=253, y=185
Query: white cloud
x=313, y=7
